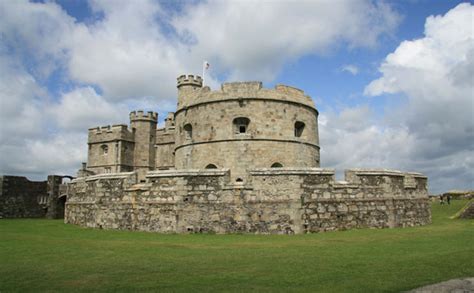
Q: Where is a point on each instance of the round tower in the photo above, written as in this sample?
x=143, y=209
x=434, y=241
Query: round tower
x=188, y=86
x=144, y=129
x=244, y=126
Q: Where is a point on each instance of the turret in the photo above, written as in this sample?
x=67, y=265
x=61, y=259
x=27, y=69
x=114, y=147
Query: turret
x=169, y=121
x=144, y=129
x=187, y=86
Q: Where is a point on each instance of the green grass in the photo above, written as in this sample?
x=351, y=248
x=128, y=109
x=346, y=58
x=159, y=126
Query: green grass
x=47, y=255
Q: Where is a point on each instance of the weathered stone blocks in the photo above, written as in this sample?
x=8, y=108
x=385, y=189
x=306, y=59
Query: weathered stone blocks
x=281, y=201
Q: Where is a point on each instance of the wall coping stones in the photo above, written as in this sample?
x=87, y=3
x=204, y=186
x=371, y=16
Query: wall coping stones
x=187, y=172
x=383, y=172
x=351, y=200
x=120, y=175
x=291, y=171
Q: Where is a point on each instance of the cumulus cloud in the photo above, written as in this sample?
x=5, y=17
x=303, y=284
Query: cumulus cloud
x=52, y=154
x=254, y=39
x=39, y=32
x=351, y=139
x=83, y=108
x=434, y=73
x=21, y=98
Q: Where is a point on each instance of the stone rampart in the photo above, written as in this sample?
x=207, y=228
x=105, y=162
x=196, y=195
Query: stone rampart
x=273, y=200
x=22, y=198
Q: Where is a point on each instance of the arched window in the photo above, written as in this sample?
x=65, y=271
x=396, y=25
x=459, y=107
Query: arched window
x=241, y=125
x=276, y=165
x=105, y=149
x=299, y=127
x=188, y=131
x=211, y=166
x=239, y=180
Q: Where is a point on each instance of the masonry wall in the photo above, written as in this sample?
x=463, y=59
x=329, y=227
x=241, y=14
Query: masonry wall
x=164, y=148
x=283, y=200
x=22, y=198
x=110, y=149
x=269, y=138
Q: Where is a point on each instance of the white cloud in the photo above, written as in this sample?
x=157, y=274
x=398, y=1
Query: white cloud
x=435, y=74
x=37, y=31
x=142, y=56
x=53, y=154
x=254, y=39
x=20, y=102
x=352, y=69
x=83, y=108
x=350, y=139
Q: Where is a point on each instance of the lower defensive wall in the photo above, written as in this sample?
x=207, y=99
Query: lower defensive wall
x=274, y=200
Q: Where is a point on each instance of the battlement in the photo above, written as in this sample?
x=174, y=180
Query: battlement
x=116, y=128
x=289, y=90
x=236, y=87
x=142, y=116
x=245, y=90
x=189, y=80
x=110, y=132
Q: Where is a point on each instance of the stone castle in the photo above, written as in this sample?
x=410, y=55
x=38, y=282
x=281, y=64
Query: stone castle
x=240, y=159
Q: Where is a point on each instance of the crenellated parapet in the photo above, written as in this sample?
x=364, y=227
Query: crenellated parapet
x=273, y=200
x=358, y=183
x=143, y=116
x=109, y=133
x=189, y=80
x=243, y=92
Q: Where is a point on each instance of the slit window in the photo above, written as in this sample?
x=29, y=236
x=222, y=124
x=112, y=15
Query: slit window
x=299, y=128
x=241, y=125
x=188, y=131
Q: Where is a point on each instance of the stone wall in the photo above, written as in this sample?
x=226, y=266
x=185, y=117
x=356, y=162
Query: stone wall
x=277, y=200
x=22, y=198
x=164, y=147
x=269, y=136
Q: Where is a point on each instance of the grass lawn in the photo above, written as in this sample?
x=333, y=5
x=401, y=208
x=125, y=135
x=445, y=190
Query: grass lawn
x=47, y=255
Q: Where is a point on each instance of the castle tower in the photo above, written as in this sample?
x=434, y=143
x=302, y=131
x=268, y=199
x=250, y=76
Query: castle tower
x=169, y=121
x=187, y=88
x=110, y=149
x=144, y=128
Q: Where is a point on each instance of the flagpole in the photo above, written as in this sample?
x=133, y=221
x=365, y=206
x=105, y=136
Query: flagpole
x=203, y=68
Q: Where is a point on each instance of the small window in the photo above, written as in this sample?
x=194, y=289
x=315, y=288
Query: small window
x=105, y=149
x=277, y=165
x=211, y=166
x=241, y=125
x=188, y=131
x=239, y=180
x=299, y=127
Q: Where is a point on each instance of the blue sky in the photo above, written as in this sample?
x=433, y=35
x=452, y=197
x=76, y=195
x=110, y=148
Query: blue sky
x=392, y=80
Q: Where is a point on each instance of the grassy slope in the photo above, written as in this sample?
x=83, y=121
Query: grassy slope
x=40, y=255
